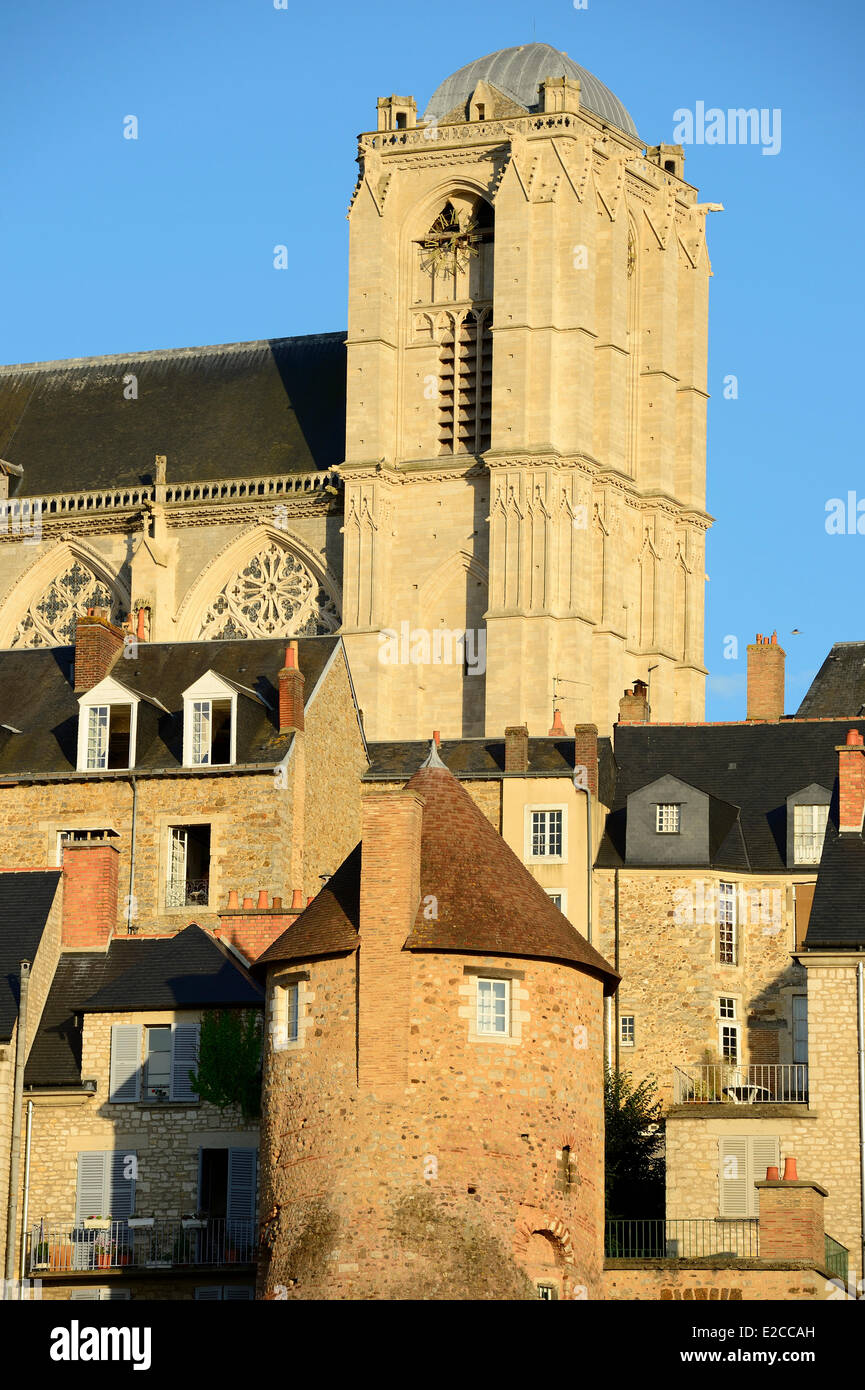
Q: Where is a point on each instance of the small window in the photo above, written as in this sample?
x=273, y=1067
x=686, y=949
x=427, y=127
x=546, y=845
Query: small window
x=291, y=1011
x=670, y=166
x=546, y=835
x=727, y=943
x=211, y=733
x=400, y=120
x=667, y=819
x=188, y=877
x=726, y=1007
x=157, y=1071
x=809, y=829
x=481, y=111
x=548, y=1293
x=494, y=1007
x=627, y=1030
x=559, y=898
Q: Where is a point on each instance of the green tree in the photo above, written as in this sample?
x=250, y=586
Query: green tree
x=229, y=1060
x=634, y=1149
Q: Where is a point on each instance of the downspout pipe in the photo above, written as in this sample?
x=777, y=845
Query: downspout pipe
x=17, y=1102
x=860, y=1013
x=616, y=957
x=26, y=1211
x=130, y=900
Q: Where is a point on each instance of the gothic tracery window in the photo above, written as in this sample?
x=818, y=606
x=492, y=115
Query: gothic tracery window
x=274, y=595
x=51, y=619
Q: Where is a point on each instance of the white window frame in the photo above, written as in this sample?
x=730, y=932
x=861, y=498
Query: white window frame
x=623, y=1041
x=209, y=690
x=136, y=1082
x=799, y=836
x=661, y=827
x=168, y=880
x=481, y=1031
x=562, y=895
x=279, y=1012
x=546, y=809
x=107, y=695
x=728, y=918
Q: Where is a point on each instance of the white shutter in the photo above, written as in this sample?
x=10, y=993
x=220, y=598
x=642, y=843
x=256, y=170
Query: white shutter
x=238, y=1293
x=122, y=1188
x=125, y=1062
x=91, y=1197
x=209, y=1293
x=763, y=1154
x=241, y=1184
x=81, y=1295
x=184, y=1059
x=733, y=1176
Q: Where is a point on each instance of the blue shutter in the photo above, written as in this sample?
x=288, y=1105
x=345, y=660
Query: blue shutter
x=122, y=1189
x=125, y=1073
x=241, y=1184
x=184, y=1059
x=238, y=1293
x=209, y=1293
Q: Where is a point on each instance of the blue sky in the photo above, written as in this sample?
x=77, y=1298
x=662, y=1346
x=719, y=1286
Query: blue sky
x=247, y=117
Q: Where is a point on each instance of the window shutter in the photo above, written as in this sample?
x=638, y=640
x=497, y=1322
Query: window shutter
x=241, y=1184
x=184, y=1059
x=109, y=1295
x=763, y=1155
x=91, y=1198
x=84, y=1295
x=209, y=1293
x=238, y=1293
x=122, y=1189
x=125, y=1062
x=733, y=1176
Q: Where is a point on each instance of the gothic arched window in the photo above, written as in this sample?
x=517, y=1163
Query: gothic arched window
x=274, y=595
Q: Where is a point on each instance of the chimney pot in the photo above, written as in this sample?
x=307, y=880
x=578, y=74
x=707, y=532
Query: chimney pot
x=854, y=737
x=558, y=728
x=297, y=900
x=248, y=904
x=277, y=904
x=790, y=1174
x=438, y=738
x=263, y=898
x=634, y=705
x=233, y=904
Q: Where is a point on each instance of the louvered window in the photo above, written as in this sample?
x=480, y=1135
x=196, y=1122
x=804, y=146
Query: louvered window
x=465, y=386
x=743, y=1161
x=153, y=1064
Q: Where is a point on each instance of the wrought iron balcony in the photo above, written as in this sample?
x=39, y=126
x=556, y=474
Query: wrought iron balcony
x=187, y=892
x=726, y=1083
x=140, y=1243
x=686, y=1239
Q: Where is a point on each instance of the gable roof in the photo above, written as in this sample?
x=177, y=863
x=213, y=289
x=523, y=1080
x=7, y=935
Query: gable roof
x=26, y=899
x=752, y=767
x=161, y=671
x=191, y=970
x=487, y=901
x=236, y=410
x=838, y=689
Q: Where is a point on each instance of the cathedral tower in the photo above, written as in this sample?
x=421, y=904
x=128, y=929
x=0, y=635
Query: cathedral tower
x=526, y=408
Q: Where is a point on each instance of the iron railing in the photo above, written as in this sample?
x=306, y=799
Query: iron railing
x=684, y=1239
x=187, y=892
x=726, y=1083
x=837, y=1259
x=164, y=1243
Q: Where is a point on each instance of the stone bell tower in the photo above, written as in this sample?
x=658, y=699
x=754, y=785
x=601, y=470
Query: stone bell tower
x=525, y=456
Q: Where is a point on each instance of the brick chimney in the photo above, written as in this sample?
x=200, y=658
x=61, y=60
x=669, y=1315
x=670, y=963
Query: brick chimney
x=586, y=753
x=851, y=783
x=90, y=878
x=765, y=678
x=97, y=643
x=389, y=900
x=252, y=929
x=791, y=1221
x=634, y=705
x=291, y=692
x=517, y=748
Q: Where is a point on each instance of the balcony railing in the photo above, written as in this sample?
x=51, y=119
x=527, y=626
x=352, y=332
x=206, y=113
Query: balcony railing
x=163, y=1244
x=837, y=1259
x=680, y=1239
x=187, y=892
x=724, y=1083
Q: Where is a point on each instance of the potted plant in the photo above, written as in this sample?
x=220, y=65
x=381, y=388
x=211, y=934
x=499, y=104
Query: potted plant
x=60, y=1257
x=40, y=1255
x=97, y=1223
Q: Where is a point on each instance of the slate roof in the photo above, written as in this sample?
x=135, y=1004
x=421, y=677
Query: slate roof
x=25, y=904
x=482, y=759
x=518, y=72
x=838, y=689
x=838, y=910
x=487, y=901
x=754, y=767
x=36, y=696
x=236, y=410
x=188, y=971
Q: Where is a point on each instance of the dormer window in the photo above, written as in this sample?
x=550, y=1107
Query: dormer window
x=667, y=818
x=809, y=829
x=210, y=722
x=107, y=727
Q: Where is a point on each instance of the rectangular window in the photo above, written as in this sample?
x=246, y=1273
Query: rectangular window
x=97, y=737
x=109, y=733
x=727, y=944
x=157, y=1072
x=729, y=1043
x=726, y=1007
x=809, y=828
x=667, y=819
x=188, y=882
x=557, y=897
x=494, y=1007
x=211, y=733
x=627, y=1030
x=546, y=834
x=291, y=1001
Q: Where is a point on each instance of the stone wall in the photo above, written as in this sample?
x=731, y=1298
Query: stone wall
x=668, y=1280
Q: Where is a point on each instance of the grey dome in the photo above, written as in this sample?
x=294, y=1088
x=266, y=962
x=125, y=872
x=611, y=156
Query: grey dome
x=518, y=72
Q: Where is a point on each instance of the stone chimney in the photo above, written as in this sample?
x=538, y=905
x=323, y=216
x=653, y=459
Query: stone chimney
x=634, y=705
x=389, y=900
x=586, y=755
x=291, y=692
x=97, y=643
x=791, y=1221
x=517, y=748
x=851, y=783
x=90, y=879
x=765, y=678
